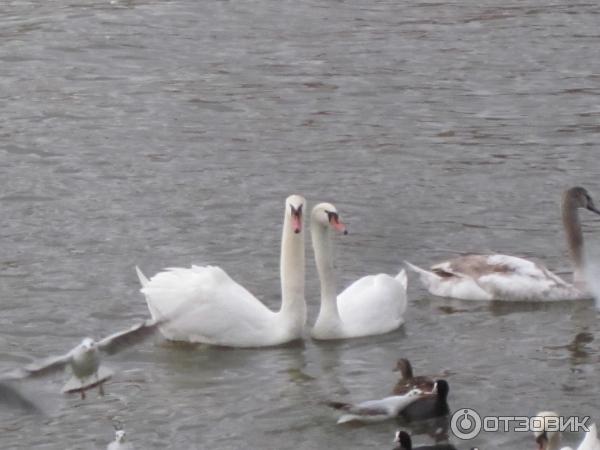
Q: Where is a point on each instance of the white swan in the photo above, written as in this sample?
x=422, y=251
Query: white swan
x=219, y=311
x=550, y=440
x=503, y=277
x=372, y=305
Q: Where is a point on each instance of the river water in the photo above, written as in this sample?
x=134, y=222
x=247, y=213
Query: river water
x=164, y=133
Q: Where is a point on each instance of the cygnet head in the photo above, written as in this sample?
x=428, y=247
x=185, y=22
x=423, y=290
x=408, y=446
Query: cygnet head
x=580, y=198
x=294, y=206
x=547, y=435
x=326, y=215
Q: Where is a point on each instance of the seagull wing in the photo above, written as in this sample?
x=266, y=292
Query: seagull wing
x=40, y=368
x=368, y=408
x=371, y=408
x=134, y=335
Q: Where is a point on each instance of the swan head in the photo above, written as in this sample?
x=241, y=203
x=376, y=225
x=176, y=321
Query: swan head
x=326, y=215
x=547, y=436
x=580, y=198
x=294, y=206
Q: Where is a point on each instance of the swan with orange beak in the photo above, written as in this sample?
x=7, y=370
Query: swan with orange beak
x=372, y=305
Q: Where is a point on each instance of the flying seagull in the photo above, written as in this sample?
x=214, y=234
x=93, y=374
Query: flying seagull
x=84, y=360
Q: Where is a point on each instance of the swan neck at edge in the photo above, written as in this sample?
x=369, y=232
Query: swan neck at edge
x=554, y=441
x=293, y=304
x=574, y=235
x=323, y=249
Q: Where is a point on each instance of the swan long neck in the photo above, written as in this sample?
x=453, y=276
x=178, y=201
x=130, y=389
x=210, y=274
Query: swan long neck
x=323, y=248
x=554, y=441
x=293, y=304
x=572, y=226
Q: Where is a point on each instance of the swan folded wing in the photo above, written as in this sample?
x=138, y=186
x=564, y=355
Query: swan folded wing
x=207, y=306
x=500, y=277
x=524, y=280
x=472, y=266
x=476, y=266
x=373, y=301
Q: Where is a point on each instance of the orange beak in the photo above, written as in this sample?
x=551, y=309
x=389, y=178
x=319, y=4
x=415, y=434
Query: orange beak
x=297, y=219
x=337, y=224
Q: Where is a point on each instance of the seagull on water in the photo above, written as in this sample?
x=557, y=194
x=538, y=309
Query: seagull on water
x=377, y=410
x=119, y=442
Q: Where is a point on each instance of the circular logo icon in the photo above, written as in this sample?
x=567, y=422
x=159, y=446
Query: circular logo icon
x=465, y=423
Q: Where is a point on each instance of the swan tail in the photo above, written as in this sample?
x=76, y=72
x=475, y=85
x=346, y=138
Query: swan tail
x=154, y=312
x=402, y=279
x=428, y=279
x=143, y=280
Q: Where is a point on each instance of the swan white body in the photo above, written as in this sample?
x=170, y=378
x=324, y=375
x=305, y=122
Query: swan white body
x=495, y=277
x=372, y=305
x=590, y=441
x=219, y=311
x=377, y=410
x=503, y=277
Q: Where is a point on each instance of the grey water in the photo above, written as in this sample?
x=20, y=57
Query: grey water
x=165, y=133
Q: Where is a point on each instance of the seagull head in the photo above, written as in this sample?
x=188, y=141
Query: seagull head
x=88, y=344
x=120, y=436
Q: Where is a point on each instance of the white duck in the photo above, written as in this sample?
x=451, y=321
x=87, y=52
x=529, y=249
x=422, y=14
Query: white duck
x=503, y=277
x=371, y=305
x=550, y=440
x=219, y=311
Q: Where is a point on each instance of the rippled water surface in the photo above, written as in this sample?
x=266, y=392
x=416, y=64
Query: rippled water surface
x=163, y=133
